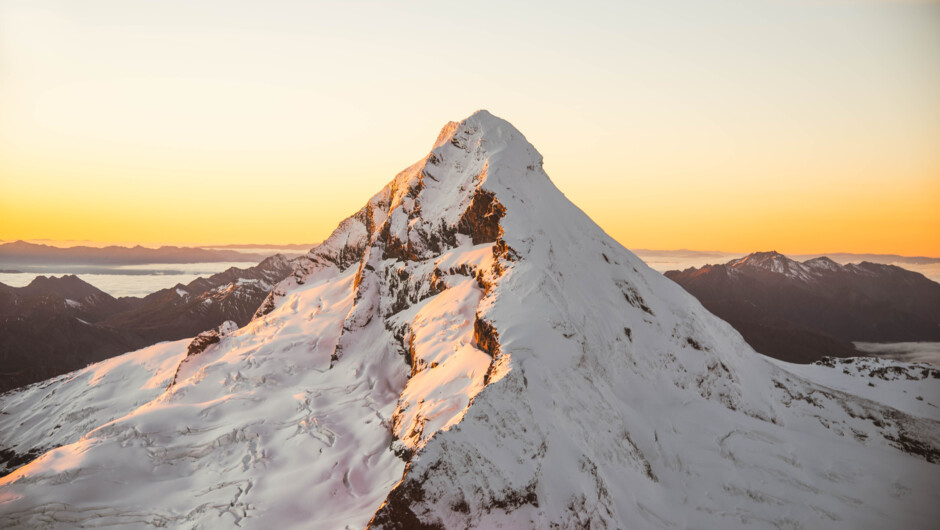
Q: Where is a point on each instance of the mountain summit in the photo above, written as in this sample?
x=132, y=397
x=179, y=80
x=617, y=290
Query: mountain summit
x=470, y=350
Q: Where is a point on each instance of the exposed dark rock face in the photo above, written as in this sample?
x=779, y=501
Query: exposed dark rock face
x=396, y=513
x=396, y=248
x=396, y=267
x=343, y=249
x=878, y=370
x=10, y=459
x=612, y=399
x=800, y=312
x=267, y=305
x=481, y=219
x=486, y=337
x=202, y=341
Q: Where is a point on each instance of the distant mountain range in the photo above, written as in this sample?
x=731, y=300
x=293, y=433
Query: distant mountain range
x=802, y=311
x=56, y=325
x=667, y=260
x=839, y=257
x=303, y=247
x=23, y=253
x=791, y=310
x=470, y=350
x=848, y=257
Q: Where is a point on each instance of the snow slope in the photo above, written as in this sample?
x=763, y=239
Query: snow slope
x=59, y=411
x=471, y=350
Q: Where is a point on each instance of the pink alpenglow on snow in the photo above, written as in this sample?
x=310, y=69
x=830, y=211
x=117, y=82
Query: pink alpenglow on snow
x=470, y=350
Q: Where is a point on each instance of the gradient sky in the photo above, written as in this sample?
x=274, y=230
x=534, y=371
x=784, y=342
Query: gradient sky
x=801, y=126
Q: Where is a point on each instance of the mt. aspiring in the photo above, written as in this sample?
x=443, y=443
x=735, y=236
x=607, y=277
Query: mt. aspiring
x=470, y=350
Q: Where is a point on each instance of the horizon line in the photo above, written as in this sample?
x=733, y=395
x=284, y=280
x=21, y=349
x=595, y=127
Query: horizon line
x=72, y=243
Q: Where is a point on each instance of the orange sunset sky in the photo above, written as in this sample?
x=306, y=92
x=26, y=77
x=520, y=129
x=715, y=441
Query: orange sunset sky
x=804, y=126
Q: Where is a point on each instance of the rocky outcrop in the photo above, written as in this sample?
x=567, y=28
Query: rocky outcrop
x=203, y=341
x=544, y=378
x=481, y=220
x=210, y=337
x=881, y=369
x=396, y=512
x=485, y=337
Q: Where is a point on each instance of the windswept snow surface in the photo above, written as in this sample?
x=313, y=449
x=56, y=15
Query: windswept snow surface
x=471, y=350
x=59, y=411
x=248, y=420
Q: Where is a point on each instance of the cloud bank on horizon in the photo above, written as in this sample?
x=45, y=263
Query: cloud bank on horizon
x=909, y=352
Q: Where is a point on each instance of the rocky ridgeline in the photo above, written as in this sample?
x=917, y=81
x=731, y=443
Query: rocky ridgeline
x=883, y=369
x=470, y=350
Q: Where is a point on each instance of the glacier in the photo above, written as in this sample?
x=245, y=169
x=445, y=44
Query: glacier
x=470, y=350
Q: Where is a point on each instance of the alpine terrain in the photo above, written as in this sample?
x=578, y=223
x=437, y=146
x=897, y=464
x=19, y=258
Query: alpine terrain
x=56, y=325
x=470, y=350
x=803, y=311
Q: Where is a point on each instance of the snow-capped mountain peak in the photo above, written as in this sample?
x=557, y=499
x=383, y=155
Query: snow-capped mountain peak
x=823, y=263
x=774, y=262
x=471, y=350
x=809, y=270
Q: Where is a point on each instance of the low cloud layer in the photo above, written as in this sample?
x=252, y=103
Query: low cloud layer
x=911, y=352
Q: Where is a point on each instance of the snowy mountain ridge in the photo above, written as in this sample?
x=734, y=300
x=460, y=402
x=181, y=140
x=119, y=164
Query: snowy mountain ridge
x=811, y=269
x=471, y=350
x=802, y=312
